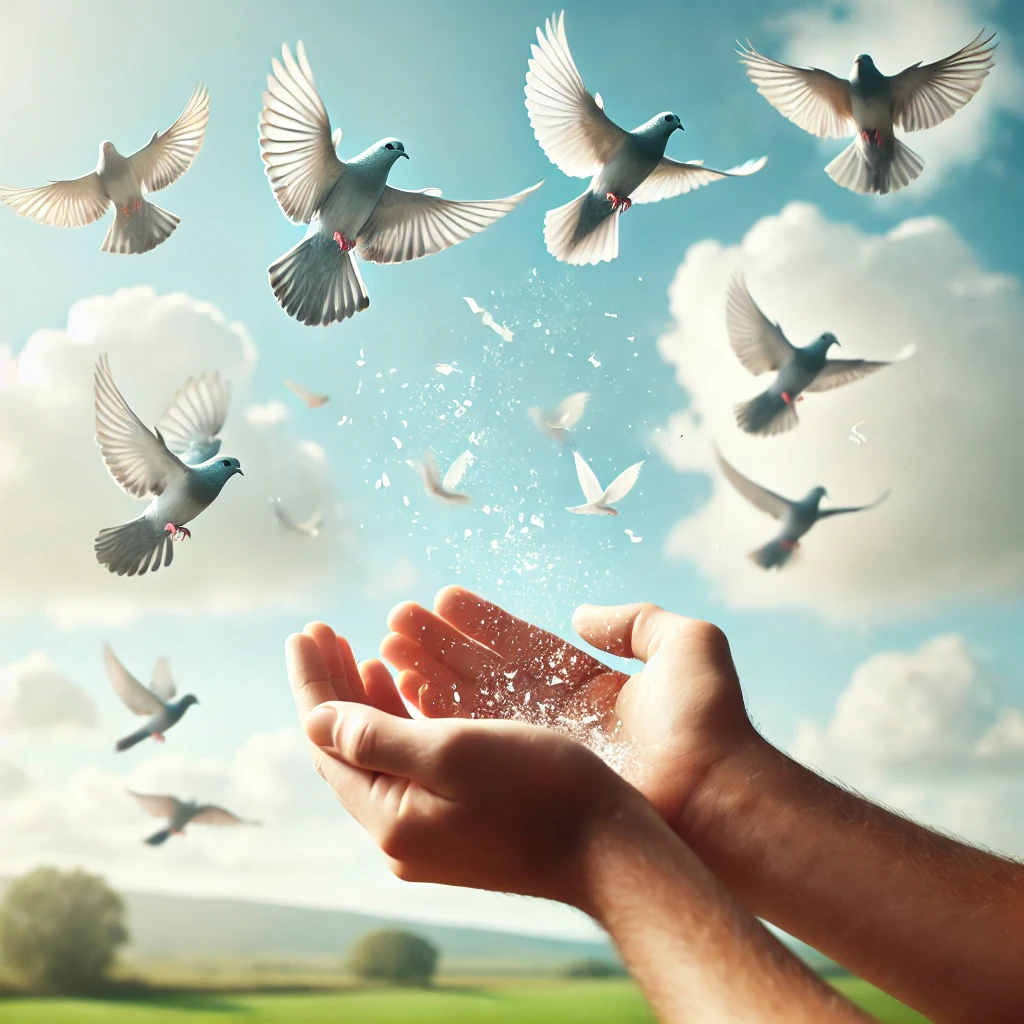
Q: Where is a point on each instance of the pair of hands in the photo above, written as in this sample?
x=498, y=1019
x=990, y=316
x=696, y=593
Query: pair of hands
x=501, y=804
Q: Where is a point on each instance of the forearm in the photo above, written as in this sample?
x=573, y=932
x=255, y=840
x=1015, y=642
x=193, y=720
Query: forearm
x=695, y=950
x=936, y=923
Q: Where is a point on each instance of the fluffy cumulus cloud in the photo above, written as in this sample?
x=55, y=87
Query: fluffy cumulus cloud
x=933, y=733
x=942, y=429
x=36, y=698
x=56, y=493
x=13, y=780
x=896, y=35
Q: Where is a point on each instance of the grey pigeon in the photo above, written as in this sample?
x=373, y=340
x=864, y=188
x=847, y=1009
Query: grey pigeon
x=761, y=347
x=139, y=225
x=871, y=105
x=180, y=813
x=156, y=700
x=582, y=141
x=797, y=517
x=348, y=205
x=176, y=465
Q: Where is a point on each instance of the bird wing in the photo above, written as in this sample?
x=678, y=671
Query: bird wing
x=135, y=697
x=407, y=225
x=296, y=142
x=767, y=501
x=211, y=814
x=838, y=372
x=311, y=399
x=191, y=423
x=137, y=459
x=157, y=805
x=857, y=508
x=162, y=683
x=672, y=178
x=759, y=344
x=926, y=95
x=456, y=471
x=569, y=411
x=592, y=489
x=571, y=126
x=622, y=484
x=61, y=204
x=813, y=99
x=167, y=156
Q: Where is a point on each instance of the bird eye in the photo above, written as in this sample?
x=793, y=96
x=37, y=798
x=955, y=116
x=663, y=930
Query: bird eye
x=227, y=462
x=388, y=145
x=668, y=117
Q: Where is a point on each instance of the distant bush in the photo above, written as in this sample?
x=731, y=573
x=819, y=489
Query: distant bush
x=60, y=930
x=394, y=956
x=593, y=969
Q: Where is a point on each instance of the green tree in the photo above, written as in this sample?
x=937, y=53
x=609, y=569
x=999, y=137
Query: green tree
x=593, y=968
x=395, y=956
x=60, y=930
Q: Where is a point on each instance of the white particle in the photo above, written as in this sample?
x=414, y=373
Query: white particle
x=632, y=537
x=593, y=360
x=398, y=444
x=614, y=316
x=342, y=421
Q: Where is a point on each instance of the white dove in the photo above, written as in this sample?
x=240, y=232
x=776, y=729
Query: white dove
x=444, y=488
x=872, y=105
x=582, y=141
x=180, y=813
x=311, y=398
x=347, y=204
x=557, y=422
x=600, y=499
x=175, y=465
x=139, y=225
x=309, y=527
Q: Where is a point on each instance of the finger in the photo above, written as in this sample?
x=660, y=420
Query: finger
x=333, y=657
x=406, y=655
x=310, y=680
x=628, y=630
x=410, y=683
x=380, y=688
x=348, y=659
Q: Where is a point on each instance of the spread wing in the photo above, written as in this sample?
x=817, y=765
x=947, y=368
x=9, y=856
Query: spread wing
x=591, y=486
x=136, y=458
x=825, y=513
x=162, y=683
x=570, y=124
x=456, y=471
x=926, y=95
x=158, y=806
x=759, y=344
x=672, y=178
x=210, y=814
x=569, y=411
x=813, y=99
x=622, y=484
x=61, y=204
x=838, y=372
x=135, y=697
x=169, y=155
x=407, y=225
x=760, y=497
x=295, y=138
x=311, y=399
x=191, y=423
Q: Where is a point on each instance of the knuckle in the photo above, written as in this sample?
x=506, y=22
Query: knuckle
x=711, y=636
x=356, y=740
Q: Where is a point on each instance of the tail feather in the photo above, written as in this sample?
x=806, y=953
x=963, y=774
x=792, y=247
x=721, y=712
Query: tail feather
x=317, y=283
x=870, y=169
x=159, y=837
x=136, y=737
x=134, y=548
x=767, y=414
x=139, y=230
x=583, y=231
x=774, y=555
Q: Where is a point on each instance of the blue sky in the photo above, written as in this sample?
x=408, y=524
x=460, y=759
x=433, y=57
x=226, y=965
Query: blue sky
x=447, y=79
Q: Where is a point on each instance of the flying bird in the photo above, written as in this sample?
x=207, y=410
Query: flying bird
x=797, y=517
x=175, y=464
x=125, y=181
x=348, y=205
x=488, y=320
x=180, y=813
x=761, y=347
x=600, y=499
x=870, y=105
x=558, y=422
x=309, y=527
x=156, y=700
x=312, y=400
x=444, y=488
x=583, y=142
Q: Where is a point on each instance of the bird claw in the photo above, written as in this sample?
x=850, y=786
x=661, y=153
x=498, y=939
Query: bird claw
x=871, y=137
x=177, y=532
x=787, y=398
x=343, y=243
x=622, y=204
x=159, y=737
x=789, y=545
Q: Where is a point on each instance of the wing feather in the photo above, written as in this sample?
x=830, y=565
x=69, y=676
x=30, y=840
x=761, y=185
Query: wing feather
x=135, y=697
x=159, y=805
x=759, y=344
x=194, y=418
x=672, y=178
x=169, y=155
x=760, y=497
x=61, y=204
x=211, y=814
x=591, y=486
x=622, y=484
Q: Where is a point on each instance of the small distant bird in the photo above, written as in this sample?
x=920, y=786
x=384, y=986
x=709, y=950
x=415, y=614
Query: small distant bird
x=761, y=347
x=124, y=181
x=600, y=499
x=871, y=105
x=347, y=205
x=155, y=700
x=488, y=320
x=444, y=488
x=309, y=527
x=583, y=142
x=797, y=517
x=180, y=813
x=176, y=465
x=311, y=399
x=557, y=422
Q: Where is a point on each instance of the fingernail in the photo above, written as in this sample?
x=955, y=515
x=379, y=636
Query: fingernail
x=320, y=725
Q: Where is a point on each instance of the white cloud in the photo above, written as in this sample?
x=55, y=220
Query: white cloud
x=36, y=698
x=396, y=581
x=268, y=415
x=56, y=493
x=942, y=428
x=899, y=34
x=13, y=781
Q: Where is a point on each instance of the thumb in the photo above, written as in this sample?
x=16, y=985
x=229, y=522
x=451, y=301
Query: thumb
x=628, y=630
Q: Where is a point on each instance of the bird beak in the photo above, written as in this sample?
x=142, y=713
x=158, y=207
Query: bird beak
x=239, y=472
x=402, y=152
x=680, y=127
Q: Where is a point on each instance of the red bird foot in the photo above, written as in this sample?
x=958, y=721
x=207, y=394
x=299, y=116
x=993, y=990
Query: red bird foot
x=787, y=398
x=621, y=204
x=872, y=138
x=343, y=243
x=177, y=532
x=159, y=737
x=789, y=545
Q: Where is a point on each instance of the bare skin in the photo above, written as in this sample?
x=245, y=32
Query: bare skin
x=933, y=921
x=516, y=808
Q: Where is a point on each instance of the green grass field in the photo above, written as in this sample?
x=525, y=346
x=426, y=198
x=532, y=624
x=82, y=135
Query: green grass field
x=508, y=1002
